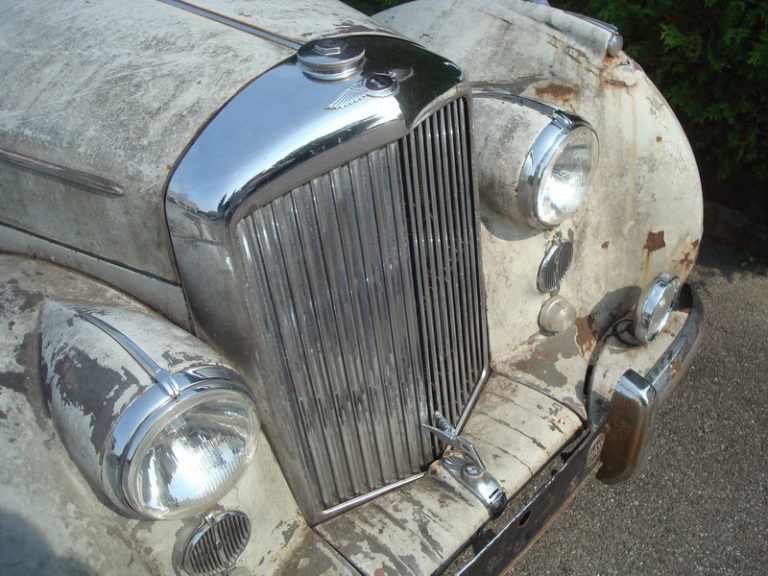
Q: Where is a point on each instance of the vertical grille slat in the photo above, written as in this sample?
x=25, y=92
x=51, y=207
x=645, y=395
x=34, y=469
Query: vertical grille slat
x=364, y=286
x=345, y=351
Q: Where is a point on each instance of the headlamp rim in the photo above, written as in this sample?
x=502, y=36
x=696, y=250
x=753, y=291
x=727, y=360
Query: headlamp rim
x=539, y=158
x=141, y=416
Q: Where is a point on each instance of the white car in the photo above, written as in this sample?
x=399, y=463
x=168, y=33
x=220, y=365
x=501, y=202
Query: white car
x=285, y=289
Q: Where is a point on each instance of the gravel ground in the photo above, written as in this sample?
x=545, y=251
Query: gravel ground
x=701, y=507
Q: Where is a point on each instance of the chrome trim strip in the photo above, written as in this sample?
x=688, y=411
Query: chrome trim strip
x=162, y=377
x=354, y=502
x=237, y=24
x=494, y=91
x=82, y=180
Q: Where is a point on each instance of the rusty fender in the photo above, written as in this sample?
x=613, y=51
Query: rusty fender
x=643, y=215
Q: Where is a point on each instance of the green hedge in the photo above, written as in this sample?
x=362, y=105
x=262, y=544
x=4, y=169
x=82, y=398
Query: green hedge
x=710, y=60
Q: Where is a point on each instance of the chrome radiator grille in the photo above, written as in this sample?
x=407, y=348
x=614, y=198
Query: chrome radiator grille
x=365, y=283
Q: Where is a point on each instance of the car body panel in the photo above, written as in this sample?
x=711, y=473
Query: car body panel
x=643, y=214
x=89, y=143
x=123, y=107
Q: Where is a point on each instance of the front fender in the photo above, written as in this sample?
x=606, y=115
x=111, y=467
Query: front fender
x=643, y=215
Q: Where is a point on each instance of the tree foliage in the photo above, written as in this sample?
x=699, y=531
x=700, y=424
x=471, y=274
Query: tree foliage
x=710, y=60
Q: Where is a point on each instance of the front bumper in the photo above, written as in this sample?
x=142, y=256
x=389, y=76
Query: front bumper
x=638, y=392
x=407, y=529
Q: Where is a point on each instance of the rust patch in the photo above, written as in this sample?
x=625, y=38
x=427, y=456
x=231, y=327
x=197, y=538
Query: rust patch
x=585, y=334
x=617, y=83
x=558, y=92
x=677, y=367
x=654, y=241
x=554, y=427
x=689, y=257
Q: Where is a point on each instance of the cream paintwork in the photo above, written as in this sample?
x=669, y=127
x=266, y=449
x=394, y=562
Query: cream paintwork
x=281, y=542
x=643, y=215
x=647, y=184
x=124, y=105
x=71, y=527
x=412, y=531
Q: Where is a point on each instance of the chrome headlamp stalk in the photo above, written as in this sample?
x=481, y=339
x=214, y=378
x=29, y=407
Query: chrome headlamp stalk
x=162, y=428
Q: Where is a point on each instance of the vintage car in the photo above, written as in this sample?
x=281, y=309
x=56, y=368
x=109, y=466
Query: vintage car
x=286, y=289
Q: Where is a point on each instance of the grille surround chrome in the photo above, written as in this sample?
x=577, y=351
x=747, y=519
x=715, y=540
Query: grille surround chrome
x=243, y=163
x=367, y=289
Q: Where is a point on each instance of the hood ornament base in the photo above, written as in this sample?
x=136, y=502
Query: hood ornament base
x=466, y=466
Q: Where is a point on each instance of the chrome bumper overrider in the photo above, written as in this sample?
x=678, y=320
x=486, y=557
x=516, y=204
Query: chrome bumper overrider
x=640, y=392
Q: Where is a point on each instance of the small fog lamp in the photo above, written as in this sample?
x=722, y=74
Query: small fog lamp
x=654, y=307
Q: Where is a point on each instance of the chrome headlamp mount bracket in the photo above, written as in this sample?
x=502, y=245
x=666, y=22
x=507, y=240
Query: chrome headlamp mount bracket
x=466, y=466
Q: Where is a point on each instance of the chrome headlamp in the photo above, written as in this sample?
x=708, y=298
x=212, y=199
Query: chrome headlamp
x=557, y=171
x=149, y=413
x=173, y=455
x=654, y=307
x=536, y=162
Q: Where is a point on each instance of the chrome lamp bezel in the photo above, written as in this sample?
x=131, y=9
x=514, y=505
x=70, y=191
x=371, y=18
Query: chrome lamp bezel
x=658, y=297
x=540, y=156
x=192, y=387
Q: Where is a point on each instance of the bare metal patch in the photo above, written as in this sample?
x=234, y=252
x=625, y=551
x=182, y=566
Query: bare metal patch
x=557, y=92
x=585, y=334
x=655, y=241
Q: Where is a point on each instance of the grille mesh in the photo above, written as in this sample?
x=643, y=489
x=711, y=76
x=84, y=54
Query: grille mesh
x=218, y=544
x=365, y=283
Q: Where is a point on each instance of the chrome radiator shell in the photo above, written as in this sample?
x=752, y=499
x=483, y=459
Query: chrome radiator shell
x=369, y=298
x=343, y=277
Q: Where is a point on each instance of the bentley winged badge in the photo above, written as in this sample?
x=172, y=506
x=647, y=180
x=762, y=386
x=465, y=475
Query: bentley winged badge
x=375, y=85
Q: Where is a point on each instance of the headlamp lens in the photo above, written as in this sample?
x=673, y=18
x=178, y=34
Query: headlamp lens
x=192, y=454
x=566, y=176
